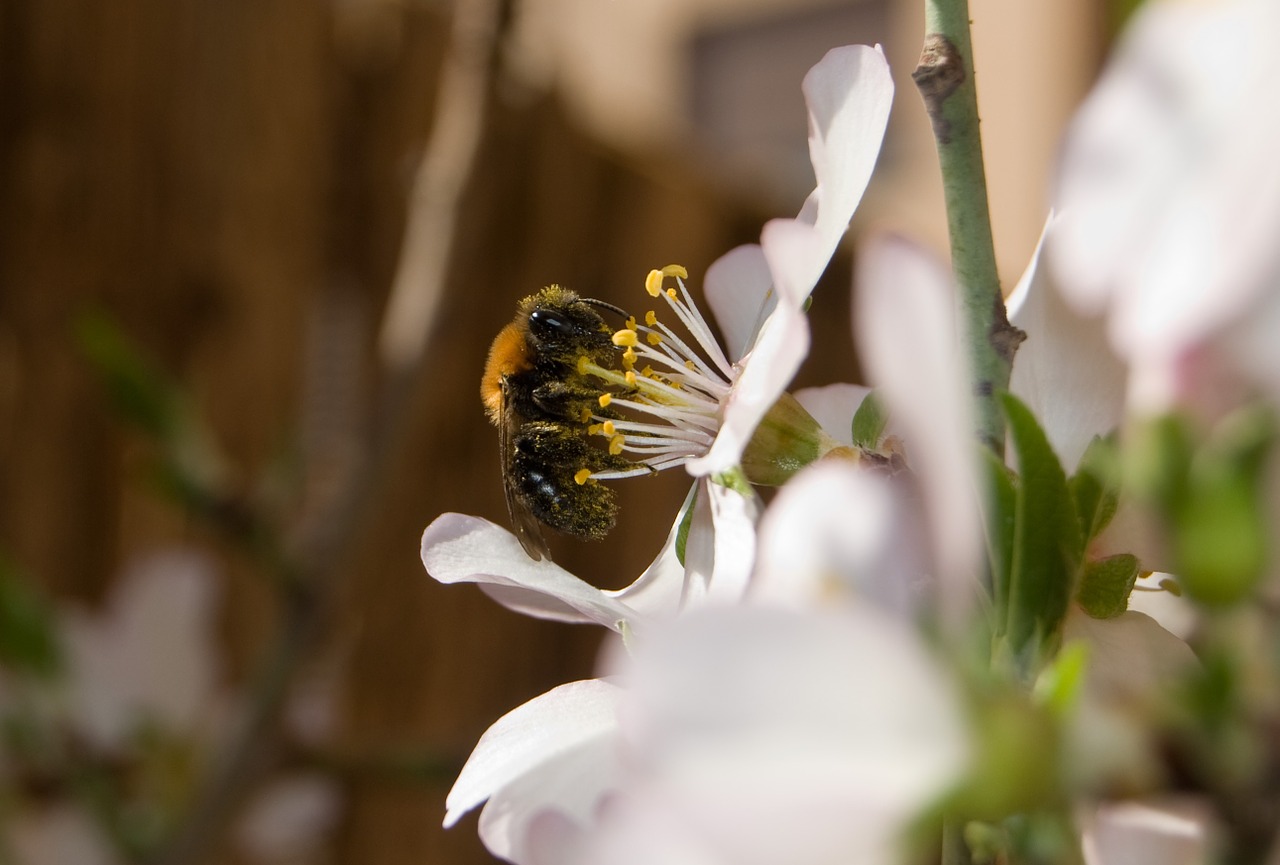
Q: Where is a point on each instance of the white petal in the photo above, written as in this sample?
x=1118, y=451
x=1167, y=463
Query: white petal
x=720, y=549
x=1133, y=833
x=556, y=751
x=1130, y=656
x=793, y=251
x=848, y=94
x=1065, y=371
x=833, y=407
x=839, y=533
x=657, y=592
x=457, y=548
x=785, y=737
x=737, y=287
x=903, y=322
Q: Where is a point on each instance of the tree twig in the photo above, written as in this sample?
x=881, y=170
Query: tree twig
x=945, y=80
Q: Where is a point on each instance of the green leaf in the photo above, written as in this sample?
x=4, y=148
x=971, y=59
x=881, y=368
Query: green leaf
x=140, y=392
x=28, y=640
x=1000, y=520
x=1047, y=545
x=1105, y=585
x=869, y=422
x=1095, y=488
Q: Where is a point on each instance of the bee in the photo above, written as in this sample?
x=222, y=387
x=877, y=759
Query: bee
x=542, y=405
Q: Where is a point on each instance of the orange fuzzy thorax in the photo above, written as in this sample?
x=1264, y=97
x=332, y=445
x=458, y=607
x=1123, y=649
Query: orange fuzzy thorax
x=508, y=355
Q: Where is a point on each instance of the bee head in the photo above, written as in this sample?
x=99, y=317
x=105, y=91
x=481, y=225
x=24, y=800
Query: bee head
x=562, y=326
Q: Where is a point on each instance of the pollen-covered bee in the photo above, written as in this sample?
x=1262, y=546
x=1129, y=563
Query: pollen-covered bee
x=543, y=405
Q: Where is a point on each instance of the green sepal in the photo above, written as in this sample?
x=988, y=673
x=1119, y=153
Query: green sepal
x=686, y=522
x=1105, y=585
x=1047, y=545
x=869, y=422
x=1095, y=488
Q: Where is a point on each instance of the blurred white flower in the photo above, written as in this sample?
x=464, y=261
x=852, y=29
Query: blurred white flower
x=1170, y=193
x=1136, y=833
x=288, y=820
x=148, y=658
x=59, y=834
x=753, y=735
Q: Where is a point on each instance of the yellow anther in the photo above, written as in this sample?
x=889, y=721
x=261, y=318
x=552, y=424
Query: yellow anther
x=626, y=337
x=608, y=428
x=583, y=361
x=631, y=322
x=647, y=372
x=690, y=364
x=582, y=476
x=675, y=270
x=653, y=283
x=594, y=429
x=584, y=415
x=630, y=376
x=615, y=444
x=629, y=356
x=651, y=318
x=1171, y=587
x=671, y=293
x=605, y=399
x=653, y=338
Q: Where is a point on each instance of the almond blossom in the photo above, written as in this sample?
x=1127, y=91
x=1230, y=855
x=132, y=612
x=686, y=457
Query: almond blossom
x=705, y=401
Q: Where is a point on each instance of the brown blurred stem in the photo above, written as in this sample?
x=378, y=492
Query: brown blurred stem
x=324, y=545
x=945, y=80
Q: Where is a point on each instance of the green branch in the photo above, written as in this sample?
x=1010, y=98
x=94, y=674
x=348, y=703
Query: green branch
x=944, y=78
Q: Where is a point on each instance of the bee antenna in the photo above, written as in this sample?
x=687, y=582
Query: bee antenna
x=617, y=310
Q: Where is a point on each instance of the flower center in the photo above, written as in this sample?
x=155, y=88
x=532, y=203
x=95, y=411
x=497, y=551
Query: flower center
x=673, y=400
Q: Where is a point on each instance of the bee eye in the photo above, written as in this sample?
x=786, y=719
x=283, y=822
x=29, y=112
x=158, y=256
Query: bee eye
x=547, y=323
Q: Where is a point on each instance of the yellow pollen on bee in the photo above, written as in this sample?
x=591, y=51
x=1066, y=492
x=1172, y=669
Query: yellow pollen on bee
x=676, y=270
x=654, y=338
x=651, y=318
x=582, y=476
x=605, y=399
x=608, y=428
x=616, y=443
x=625, y=337
x=653, y=283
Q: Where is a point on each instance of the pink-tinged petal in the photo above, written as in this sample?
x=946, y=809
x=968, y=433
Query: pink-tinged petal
x=457, y=548
x=791, y=249
x=738, y=289
x=1135, y=833
x=784, y=737
x=848, y=94
x=833, y=407
x=840, y=534
x=1171, y=190
x=556, y=751
x=1065, y=370
x=1130, y=657
x=903, y=322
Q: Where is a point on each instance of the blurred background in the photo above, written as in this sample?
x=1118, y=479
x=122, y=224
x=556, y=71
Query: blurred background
x=252, y=255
